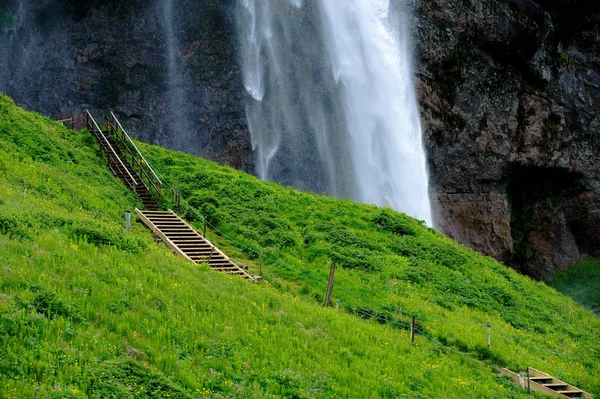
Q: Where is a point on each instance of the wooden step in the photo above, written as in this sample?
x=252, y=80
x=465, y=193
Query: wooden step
x=555, y=386
x=219, y=262
x=537, y=379
x=200, y=247
x=183, y=239
x=571, y=393
x=197, y=253
x=546, y=384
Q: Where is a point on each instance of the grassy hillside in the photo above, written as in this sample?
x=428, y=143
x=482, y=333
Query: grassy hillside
x=88, y=310
x=582, y=283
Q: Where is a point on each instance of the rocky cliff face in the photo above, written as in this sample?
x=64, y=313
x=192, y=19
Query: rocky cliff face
x=509, y=91
x=62, y=56
x=510, y=97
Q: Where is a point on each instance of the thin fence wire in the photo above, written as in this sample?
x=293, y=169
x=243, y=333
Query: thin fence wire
x=378, y=317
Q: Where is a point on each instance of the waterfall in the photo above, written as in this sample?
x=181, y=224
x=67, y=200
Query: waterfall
x=331, y=103
x=178, y=121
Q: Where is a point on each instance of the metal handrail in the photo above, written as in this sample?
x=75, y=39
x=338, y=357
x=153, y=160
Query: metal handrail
x=134, y=160
x=90, y=117
x=136, y=149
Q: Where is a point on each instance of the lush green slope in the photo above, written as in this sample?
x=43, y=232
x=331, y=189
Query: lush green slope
x=388, y=261
x=89, y=310
x=582, y=283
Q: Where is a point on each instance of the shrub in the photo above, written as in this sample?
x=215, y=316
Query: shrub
x=396, y=223
x=127, y=378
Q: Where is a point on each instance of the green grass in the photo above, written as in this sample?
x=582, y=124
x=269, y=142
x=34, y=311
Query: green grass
x=88, y=310
x=582, y=283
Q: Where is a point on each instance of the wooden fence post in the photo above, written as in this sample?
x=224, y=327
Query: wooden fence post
x=204, y=234
x=412, y=331
x=330, y=284
x=260, y=262
x=489, y=337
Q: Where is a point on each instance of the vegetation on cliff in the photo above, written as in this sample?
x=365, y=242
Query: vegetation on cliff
x=581, y=282
x=88, y=310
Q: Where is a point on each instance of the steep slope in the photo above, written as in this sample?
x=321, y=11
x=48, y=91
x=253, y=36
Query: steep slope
x=508, y=89
x=87, y=309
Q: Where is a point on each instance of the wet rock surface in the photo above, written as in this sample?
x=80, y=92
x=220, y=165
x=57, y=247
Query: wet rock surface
x=509, y=93
x=510, y=98
x=62, y=56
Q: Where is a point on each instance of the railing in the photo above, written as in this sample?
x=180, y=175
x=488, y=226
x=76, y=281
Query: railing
x=134, y=156
x=108, y=148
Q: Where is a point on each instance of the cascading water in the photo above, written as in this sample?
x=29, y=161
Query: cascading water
x=178, y=121
x=331, y=103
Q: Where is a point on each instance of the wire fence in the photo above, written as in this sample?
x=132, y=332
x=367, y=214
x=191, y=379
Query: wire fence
x=386, y=318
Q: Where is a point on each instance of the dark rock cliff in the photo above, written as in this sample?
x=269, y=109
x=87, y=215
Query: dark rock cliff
x=509, y=92
x=510, y=97
x=61, y=56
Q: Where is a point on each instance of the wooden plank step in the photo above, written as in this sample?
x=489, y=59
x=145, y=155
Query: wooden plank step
x=555, y=386
x=571, y=393
x=213, y=258
x=540, y=378
x=185, y=240
x=219, y=264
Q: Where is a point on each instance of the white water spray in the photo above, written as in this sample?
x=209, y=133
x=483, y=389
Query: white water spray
x=332, y=104
x=178, y=121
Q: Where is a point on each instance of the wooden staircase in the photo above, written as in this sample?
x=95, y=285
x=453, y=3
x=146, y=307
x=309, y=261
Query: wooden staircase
x=120, y=165
x=128, y=164
x=181, y=238
x=541, y=382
